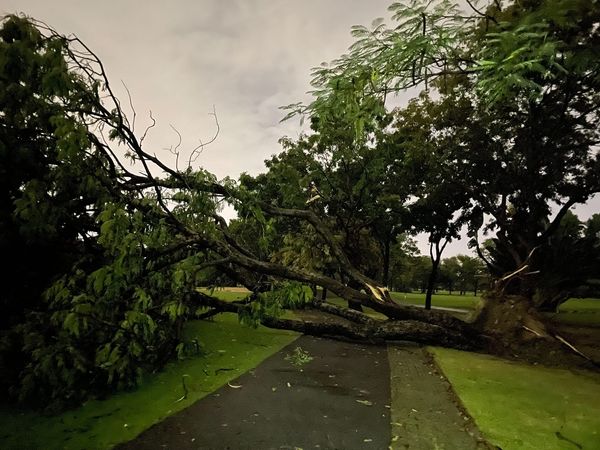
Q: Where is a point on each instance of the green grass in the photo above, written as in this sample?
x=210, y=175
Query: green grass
x=414, y=298
x=576, y=311
x=100, y=424
x=581, y=304
x=582, y=312
x=580, y=319
x=522, y=407
x=465, y=302
x=579, y=312
x=468, y=302
x=442, y=300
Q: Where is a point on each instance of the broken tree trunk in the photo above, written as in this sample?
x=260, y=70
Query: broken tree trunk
x=359, y=326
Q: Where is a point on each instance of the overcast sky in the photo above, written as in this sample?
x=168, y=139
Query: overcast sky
x=245, y=57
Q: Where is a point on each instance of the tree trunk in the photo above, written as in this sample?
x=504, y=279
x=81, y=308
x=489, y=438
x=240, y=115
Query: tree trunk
x=430, y=286
x=324, y=294
x=507, y=325
x=550, y=299
x=435, y=263
x=431, y=280
x=353, y=304
x=386, y=263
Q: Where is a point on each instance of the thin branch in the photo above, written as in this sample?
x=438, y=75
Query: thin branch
x=480, y=13
x=131, y=105
x=148, y=128
x=175, y=151
x=197, y=151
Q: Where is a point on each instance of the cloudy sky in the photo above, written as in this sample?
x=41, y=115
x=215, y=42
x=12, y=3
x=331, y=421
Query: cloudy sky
x=245, y=57
x=179, y=58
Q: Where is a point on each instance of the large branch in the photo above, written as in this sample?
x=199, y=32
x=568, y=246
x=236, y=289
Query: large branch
x=371, y=286
x=370, y=331
x=391, y=310
x=280, y=271
x=556, y=222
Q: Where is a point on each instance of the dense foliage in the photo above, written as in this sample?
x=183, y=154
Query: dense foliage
x=93, y=289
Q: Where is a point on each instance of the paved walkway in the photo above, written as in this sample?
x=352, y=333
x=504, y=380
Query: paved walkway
x=425, y=414
x=339, y=400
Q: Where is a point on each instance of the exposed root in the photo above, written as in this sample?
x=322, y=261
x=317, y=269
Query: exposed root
x=573, y=348
x=562, y=340
x=533, y=331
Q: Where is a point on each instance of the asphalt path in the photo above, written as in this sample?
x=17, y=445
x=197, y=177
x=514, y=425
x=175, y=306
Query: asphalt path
x=338, y=400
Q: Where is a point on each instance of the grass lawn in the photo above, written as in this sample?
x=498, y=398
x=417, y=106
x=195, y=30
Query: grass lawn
x=583, y=312
x=100, y=424
x=521, y=407
x=576, y=311
x=581, y=305
x=442, y=300
x=228, y=294
x=415, y=298
x=579, y=319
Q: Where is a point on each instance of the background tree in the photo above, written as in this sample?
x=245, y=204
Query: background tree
x=427, y=134
x=403, y=264
x=472, y=272
x=342, y=169
x=561, y=278
x=451, y=276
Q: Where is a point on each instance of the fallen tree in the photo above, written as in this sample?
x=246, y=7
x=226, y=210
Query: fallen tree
x=159, y=233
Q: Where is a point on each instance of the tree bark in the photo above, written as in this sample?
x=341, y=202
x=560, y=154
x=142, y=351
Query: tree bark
x=430, y=285
x=353, y=304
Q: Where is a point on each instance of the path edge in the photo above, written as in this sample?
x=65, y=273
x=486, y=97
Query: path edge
x=455, y=398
